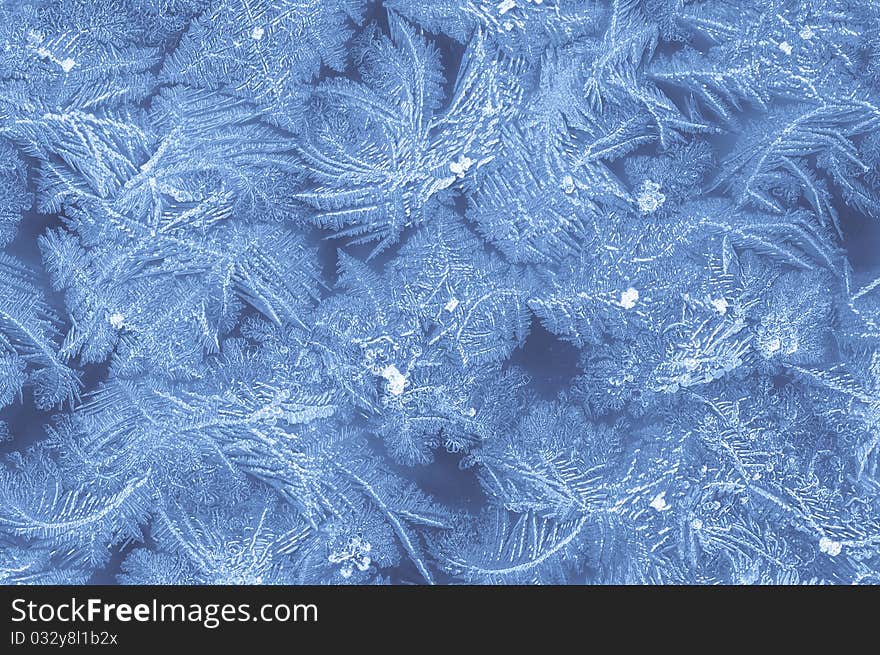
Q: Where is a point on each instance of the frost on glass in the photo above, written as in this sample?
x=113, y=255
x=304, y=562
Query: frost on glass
x=454, y=291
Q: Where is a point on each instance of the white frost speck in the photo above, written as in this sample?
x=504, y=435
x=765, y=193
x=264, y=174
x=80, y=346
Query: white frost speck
x=461, y=166
x=451, y=305
x=117, y=320
x=629, y=298
x=830, y=547
x=650, y=199
x=568, y=184
x=806, y=33
x=720, y=305
x=396, y=379
x=659, y=502
x=506, y=5
x=773, y=345
x=257, y=33
x=65, y=64
x=785, y=46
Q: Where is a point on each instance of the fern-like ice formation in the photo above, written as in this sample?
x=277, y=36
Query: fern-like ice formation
x=440, y=291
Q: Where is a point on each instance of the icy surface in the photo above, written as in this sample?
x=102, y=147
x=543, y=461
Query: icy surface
x=434, y=291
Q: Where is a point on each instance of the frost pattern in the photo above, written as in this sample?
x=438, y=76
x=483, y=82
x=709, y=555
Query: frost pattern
x=530, y=291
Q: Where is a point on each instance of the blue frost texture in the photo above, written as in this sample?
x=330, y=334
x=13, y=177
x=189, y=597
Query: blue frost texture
x=440, y=291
